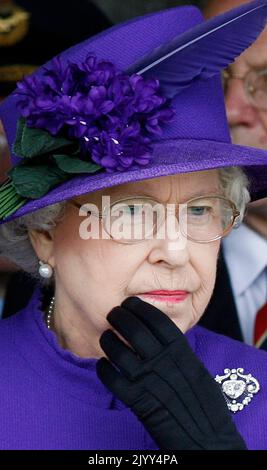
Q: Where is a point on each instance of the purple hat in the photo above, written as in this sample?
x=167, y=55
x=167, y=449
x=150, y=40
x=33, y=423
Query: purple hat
x=141, y=100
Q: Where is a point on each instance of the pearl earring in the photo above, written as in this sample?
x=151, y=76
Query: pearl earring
x=45, y=270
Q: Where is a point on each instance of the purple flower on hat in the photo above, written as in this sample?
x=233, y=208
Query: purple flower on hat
x=113, y=116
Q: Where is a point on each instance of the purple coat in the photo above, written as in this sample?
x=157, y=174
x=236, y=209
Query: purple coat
x=52, y=399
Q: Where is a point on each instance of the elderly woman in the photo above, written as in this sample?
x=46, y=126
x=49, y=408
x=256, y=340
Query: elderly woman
x=105, y=151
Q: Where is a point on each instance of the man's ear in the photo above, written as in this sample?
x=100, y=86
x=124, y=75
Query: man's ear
x=43, y=244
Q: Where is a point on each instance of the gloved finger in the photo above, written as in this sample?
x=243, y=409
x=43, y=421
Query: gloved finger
x=120, y=354
x=196, y=383
x=202, y=385
x=175, y=407
x=135, y=332
x=115, y=382
x=208, y=391
x=162, y=327
x=171, y=374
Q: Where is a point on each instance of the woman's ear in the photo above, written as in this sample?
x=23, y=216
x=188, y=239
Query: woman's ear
x=43, y=244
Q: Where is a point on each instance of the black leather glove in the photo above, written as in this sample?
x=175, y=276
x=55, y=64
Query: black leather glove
x=163, y=382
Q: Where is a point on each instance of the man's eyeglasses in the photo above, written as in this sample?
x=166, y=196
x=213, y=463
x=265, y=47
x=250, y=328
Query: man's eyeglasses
x=133, y=219
x=255, y=85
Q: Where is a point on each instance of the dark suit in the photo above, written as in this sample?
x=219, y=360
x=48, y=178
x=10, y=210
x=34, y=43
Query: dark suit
x=221, y=314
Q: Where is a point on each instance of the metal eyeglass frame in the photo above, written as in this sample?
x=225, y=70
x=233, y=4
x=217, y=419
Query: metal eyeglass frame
x=227, y=75
x=100, y=215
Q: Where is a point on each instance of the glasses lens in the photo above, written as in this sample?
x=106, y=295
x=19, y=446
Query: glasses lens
x=205, y=219
x=256, y=86
x=133, y=219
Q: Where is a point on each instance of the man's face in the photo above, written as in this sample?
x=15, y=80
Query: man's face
x=248, y=123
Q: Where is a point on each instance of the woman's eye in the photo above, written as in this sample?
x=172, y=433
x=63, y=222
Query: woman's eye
x=199, y=210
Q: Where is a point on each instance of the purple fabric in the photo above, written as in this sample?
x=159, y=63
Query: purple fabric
x=198, y=139
x=52, y=399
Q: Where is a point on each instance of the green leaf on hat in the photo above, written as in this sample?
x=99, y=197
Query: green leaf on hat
x=75, y=165
x=10, y=201
x=32, y=142
x=16, y=147
x=35, y=181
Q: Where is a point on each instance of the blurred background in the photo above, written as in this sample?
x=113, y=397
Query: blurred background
x=117, y=10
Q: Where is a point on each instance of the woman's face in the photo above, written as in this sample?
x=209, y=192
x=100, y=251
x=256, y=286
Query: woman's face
x=94, y=275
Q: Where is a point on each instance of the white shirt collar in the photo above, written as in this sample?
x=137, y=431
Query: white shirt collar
x=245, y=252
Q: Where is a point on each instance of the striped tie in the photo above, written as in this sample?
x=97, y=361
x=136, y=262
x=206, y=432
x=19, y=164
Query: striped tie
x=260, y=330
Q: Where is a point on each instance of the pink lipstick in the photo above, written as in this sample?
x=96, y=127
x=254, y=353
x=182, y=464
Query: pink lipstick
x=173, y=296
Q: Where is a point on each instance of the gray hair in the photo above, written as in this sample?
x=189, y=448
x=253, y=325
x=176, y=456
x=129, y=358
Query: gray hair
x=15, y=243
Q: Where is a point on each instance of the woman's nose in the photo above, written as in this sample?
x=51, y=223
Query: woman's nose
x=169, y=247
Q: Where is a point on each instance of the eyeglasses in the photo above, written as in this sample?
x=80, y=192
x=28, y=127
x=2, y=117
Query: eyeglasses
x=255, y=85
x=133, y=219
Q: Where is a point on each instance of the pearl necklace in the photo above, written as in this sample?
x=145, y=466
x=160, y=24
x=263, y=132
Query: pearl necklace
x=50, y=313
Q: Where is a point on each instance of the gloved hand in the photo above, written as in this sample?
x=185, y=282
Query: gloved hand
x=163, y=382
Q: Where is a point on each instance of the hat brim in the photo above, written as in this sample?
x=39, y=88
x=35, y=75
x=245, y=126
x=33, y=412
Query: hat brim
x=169, y=157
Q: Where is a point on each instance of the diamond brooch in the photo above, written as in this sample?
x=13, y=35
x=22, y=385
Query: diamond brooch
x=238, y=389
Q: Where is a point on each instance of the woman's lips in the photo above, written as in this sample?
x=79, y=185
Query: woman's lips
x=167, y=296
